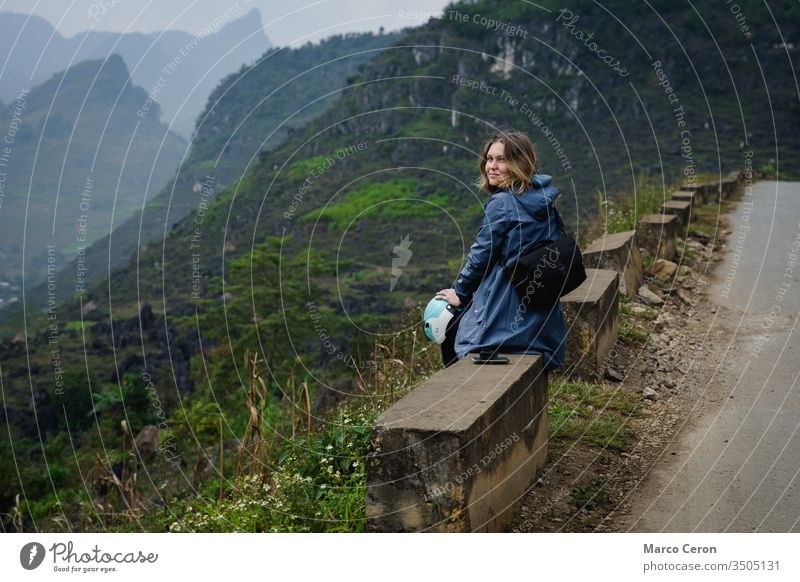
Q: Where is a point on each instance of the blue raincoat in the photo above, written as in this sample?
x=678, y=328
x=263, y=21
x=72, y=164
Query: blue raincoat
x=497, y=318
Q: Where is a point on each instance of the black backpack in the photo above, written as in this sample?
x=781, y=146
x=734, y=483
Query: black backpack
x=548, y=270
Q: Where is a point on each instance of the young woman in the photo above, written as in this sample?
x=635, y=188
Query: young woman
x=518, y=214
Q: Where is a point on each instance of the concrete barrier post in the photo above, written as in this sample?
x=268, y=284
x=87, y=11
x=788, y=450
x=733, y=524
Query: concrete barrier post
x=458, y=452
x=682, y=209
x=700, y=191
x=592, y=314
x=711, y=192
x=729, y=186
x=618, y=252
x=684, y=196
x=658, y=233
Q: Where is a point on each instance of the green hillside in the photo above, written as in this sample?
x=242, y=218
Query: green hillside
x=294, y=260
x=77, y=161
x=250, y=110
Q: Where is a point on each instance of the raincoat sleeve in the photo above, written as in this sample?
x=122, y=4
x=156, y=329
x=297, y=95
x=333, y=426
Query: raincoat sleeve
x=486, y=249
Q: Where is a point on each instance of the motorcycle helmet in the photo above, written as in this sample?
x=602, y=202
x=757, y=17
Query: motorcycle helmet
x=437, y=316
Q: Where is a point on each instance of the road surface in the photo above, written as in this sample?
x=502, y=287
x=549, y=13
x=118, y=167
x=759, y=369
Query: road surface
x=736, y=465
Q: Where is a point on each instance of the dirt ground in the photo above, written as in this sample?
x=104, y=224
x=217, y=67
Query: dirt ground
x=587, y=488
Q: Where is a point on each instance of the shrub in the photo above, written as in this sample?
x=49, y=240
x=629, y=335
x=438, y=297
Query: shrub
x=318, y=485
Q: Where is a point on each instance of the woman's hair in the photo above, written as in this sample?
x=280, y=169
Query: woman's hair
x=520, y=159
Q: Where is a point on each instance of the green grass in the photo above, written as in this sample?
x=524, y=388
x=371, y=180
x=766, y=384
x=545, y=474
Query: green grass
x=391, y=200
x=429, y=124
x=595, y=414
x=590, y=495
x=78, y=325
x=303, y=169
x=687, y=252
x=628, y=330
x=631, y=335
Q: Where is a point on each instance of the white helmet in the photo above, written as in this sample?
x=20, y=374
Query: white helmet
x=437, y=316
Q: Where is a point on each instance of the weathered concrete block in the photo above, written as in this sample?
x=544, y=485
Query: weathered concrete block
x=658, y=233
x=680, y=208
x=711, y=191
x=684, y=196
x=704, y=193
x=715, y=192
x=458, y=452
x=592, y=314
x=729, y=186
x=735, y=175
x=618, y=252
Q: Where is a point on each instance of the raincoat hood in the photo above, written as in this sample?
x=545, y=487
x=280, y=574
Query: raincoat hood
x=541, y=180
x=542, y=194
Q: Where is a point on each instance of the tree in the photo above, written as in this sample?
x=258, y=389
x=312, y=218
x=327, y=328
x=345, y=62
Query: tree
x=264, y=308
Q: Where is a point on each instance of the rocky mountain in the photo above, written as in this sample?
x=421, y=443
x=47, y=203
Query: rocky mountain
x=176, y=69
x=77, y=162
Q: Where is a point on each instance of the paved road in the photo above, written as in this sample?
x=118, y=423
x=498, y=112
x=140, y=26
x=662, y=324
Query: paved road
x=736, y=467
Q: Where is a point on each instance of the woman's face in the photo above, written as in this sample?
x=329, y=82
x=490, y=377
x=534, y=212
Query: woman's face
x=496, y=167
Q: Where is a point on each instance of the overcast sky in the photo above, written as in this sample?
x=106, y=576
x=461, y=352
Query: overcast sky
x=285, y=23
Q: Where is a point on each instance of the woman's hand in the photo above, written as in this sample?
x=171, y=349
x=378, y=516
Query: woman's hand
x=450, y=296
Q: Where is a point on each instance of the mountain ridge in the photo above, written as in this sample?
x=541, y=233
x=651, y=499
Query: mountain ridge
x=78, y=153
x=22, y=38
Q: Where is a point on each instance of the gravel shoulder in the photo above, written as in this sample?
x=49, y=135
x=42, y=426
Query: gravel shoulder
x=674, y=368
